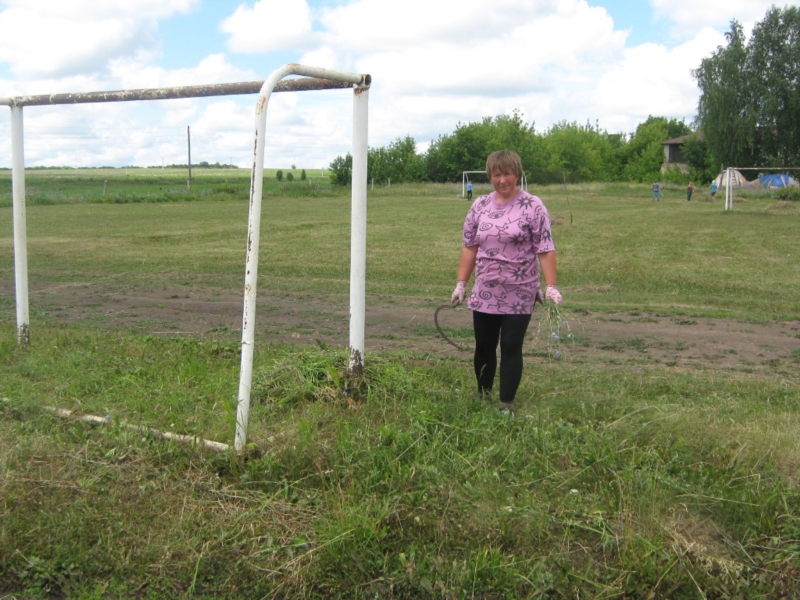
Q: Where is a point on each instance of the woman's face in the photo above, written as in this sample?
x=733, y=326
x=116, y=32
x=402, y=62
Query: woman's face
x=504, y=184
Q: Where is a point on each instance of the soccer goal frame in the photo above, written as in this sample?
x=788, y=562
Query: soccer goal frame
x=728, y=178
x=312, y=78
x=465, y=180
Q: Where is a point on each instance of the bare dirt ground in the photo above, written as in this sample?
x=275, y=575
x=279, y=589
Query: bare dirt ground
x=615, y=338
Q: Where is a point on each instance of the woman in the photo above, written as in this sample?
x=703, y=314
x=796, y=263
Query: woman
x=506, y=239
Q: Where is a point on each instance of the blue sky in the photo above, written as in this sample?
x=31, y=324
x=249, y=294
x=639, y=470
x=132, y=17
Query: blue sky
x=434, y=63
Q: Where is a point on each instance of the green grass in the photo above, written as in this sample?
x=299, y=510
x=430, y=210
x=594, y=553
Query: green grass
x=613, y=481
x=621, y=252
x=153, y=185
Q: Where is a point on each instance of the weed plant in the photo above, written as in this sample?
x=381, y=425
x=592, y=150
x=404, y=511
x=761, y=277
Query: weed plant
x=557, y=332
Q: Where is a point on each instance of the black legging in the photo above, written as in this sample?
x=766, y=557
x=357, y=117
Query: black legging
x=509, y=330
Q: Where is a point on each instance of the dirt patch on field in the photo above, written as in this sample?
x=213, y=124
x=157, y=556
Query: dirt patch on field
x=620, y=338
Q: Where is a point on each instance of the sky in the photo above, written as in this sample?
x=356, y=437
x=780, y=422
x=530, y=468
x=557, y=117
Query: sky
x=434, y=64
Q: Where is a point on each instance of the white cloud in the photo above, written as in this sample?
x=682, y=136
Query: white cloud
x=462, y=61
x=179, y=113
x=42, y=38
x=652, y=80
x=471, y=48
x=690, y=16
x=325, y=57
x=215, y=68
x=269, y=25
x=81, y=9
x=434, y=63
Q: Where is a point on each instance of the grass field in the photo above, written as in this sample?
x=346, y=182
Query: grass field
x=620, y=477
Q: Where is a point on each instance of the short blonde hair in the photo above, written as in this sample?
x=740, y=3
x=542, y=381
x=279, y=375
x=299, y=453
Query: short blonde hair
x=506, y=161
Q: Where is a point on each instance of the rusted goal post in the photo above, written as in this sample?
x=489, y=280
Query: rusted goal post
x=312, y=78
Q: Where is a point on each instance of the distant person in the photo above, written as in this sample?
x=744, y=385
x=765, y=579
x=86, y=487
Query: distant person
x=689, y=192
x=656, y=191
x=469, y=190
x=506, y=240
x=713, y=188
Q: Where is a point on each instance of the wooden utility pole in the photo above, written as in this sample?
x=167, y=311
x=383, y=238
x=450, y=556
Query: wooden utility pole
x=189, y=146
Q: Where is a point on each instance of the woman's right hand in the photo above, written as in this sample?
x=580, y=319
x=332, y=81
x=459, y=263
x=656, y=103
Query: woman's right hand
x=457, y=297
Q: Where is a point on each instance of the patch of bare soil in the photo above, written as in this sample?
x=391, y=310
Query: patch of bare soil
x=618, y=338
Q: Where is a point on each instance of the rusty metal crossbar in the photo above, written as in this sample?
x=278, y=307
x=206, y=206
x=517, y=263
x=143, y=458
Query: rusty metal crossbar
x=189, y=91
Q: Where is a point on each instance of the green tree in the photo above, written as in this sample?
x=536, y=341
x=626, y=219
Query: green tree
x=749, y=108
x=463, y=150
x=406, y=164
x=644, y=153
x=303, y=175
x=290, y=176
x=722, y=112
x=698, y=157
x=510, y=132
x=581, y=152
x=341, y=170
x=468, y=146
x=279, y=175
x=774, y=69
x=398, y=162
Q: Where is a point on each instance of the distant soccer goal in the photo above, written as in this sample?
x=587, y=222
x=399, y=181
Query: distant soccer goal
x=732, y=179
x=481, y=184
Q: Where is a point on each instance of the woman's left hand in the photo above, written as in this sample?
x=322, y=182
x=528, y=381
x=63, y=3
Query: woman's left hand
x=552, y=293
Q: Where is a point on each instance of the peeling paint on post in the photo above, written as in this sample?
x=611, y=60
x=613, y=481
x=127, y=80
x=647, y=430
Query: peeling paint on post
x=358, y=233
x=254, y=224
x=20, y=227
x=313, y=78
x=356, y=366
x=24, y=335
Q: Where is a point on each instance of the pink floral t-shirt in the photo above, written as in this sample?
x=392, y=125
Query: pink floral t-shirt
x=508, y=236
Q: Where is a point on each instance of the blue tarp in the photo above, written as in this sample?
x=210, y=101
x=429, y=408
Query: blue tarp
x=779, y=180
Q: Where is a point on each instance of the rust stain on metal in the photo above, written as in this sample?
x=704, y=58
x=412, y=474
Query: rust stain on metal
x=24, y=335
x=190, y=91
x=356, y=364
x=366, y=81
x=253, y=170
x=262, y=102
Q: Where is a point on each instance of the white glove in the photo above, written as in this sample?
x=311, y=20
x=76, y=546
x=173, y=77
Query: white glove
x=458, y=294
x=553, y=294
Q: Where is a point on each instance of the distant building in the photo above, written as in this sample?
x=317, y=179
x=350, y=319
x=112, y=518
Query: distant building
x=673, y=156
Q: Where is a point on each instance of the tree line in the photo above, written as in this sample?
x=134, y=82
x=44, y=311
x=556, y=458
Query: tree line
x=567, y=150
x=748, y=116
x=749, y=107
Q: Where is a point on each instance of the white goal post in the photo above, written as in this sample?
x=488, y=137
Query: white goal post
x=728, y=180
x=313, y=78
x=465, y=179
